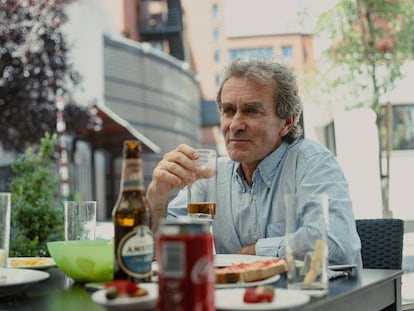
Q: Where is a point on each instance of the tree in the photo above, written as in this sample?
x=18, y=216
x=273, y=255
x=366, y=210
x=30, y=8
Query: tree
x=371, y=40
x=37, y=214
x=34, y=69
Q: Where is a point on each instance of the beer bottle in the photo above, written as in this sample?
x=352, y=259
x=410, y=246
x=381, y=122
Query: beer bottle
x=134, y=242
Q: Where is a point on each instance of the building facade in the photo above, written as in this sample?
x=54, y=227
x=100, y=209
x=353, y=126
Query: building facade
x=208, y=34
x=150, y=94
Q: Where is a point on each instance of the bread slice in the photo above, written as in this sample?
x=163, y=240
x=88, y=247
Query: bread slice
x=250, y=272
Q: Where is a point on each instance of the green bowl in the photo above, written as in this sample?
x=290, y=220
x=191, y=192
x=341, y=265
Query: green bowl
x=84, y=260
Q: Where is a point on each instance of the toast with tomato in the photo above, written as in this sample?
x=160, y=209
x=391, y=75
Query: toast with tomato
x=250, y=272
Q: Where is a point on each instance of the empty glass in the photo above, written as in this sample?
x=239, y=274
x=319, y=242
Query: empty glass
x=80, y=220
x=5, y=203
x=306, y=246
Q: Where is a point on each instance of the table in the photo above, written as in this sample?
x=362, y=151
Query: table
x=371, y=289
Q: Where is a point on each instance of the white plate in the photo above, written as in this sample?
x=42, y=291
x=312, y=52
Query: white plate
x=30, y=262
x=225, y=260
x=232, y=299
x=270, y=280
x=12, y=281
x=129, y=303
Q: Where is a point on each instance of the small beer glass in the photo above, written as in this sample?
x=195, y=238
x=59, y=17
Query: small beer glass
x=201, y=203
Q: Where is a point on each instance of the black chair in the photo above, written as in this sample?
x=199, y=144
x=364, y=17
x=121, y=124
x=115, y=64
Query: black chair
x=381, y=242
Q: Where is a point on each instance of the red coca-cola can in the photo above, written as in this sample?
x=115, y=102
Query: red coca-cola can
x=184, y=251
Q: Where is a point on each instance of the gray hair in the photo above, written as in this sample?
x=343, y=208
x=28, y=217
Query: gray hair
x=265, y=71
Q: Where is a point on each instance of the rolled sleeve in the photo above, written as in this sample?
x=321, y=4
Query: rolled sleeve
x=268, y=246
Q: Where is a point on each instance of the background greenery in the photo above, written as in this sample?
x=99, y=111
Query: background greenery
x=34, y=69
x=37, y=213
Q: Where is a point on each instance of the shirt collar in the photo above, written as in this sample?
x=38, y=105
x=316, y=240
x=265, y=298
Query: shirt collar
x=267, y=167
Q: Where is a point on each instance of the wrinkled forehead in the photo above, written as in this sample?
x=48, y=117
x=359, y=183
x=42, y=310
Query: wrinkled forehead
x=244, y=85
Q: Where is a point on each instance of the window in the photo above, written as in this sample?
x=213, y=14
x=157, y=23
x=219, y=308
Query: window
x=217, y=56
x=219, y=79
x=216, y=34
x=261, y=52
x=402, y=127
x=329, y=136
x=215, y=10
x=287, y=52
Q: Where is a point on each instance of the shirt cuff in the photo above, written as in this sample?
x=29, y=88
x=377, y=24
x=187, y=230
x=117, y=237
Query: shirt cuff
x=268, y=246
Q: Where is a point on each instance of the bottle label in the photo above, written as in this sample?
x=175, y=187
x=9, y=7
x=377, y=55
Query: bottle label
x=132, y=179
x=136, y=251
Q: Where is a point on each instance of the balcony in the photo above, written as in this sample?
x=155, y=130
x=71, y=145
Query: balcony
x=155, y=28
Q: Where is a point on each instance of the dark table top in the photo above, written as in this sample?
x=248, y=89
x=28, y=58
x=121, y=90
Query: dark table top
x=59, y=292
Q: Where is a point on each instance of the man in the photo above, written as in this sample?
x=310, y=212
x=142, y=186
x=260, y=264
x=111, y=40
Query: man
x=259, y=112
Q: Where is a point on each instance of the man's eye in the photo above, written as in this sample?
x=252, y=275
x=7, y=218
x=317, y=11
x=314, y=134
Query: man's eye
x=227, y=110
x=252, y=111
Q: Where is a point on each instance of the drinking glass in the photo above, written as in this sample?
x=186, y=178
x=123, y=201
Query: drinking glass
x=201, y=195
x=306, y=247
x=5, y=205
x=80, y=220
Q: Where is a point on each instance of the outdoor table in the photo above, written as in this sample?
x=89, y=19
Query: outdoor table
x=371, y=289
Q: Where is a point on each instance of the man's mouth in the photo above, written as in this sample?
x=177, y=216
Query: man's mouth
x=239, y=140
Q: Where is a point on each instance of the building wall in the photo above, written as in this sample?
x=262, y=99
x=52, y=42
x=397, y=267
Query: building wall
x=123, y=14
x=210, y=39
x=214, y=30
x=153, y=91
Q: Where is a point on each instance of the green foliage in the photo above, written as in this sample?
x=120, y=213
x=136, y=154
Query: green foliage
x=372, y=39
x=34, y=70
x=37, y=212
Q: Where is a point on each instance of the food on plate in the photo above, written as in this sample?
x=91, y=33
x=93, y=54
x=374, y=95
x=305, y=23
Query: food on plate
x=315, y=265
x=26, y=262
x=259, y=294
x=250, y=272
x=124, y=288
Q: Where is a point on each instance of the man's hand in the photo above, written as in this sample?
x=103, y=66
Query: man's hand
x=177, y=169
x=248, y=250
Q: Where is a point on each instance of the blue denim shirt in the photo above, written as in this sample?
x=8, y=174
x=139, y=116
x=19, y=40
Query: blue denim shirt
x=246, y=215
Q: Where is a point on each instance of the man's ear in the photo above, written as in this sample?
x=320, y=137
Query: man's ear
x=288, y=125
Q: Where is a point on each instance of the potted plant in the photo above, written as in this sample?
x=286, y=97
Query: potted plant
x=37, y=211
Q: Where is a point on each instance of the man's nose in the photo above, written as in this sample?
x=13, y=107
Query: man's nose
x=238, y=122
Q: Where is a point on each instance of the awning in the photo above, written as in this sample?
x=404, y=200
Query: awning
x=113, y=132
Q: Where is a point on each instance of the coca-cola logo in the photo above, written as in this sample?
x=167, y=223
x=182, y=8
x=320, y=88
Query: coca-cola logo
x=203, y=271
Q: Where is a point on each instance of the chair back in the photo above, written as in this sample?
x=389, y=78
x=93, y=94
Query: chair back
x=381, y=242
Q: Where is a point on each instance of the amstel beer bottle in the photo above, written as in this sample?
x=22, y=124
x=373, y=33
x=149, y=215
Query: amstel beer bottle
x=134, y=242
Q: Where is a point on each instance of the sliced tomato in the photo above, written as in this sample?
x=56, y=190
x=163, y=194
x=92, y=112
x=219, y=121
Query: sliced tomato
x=259, y=294
x=123, y=286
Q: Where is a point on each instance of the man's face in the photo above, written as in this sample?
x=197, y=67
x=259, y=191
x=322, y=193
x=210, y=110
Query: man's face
x=249, y=122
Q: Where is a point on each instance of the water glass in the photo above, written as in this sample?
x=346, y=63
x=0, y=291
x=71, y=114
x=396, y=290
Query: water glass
x=80, y=220
x=5, y=206
x=306, y=247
